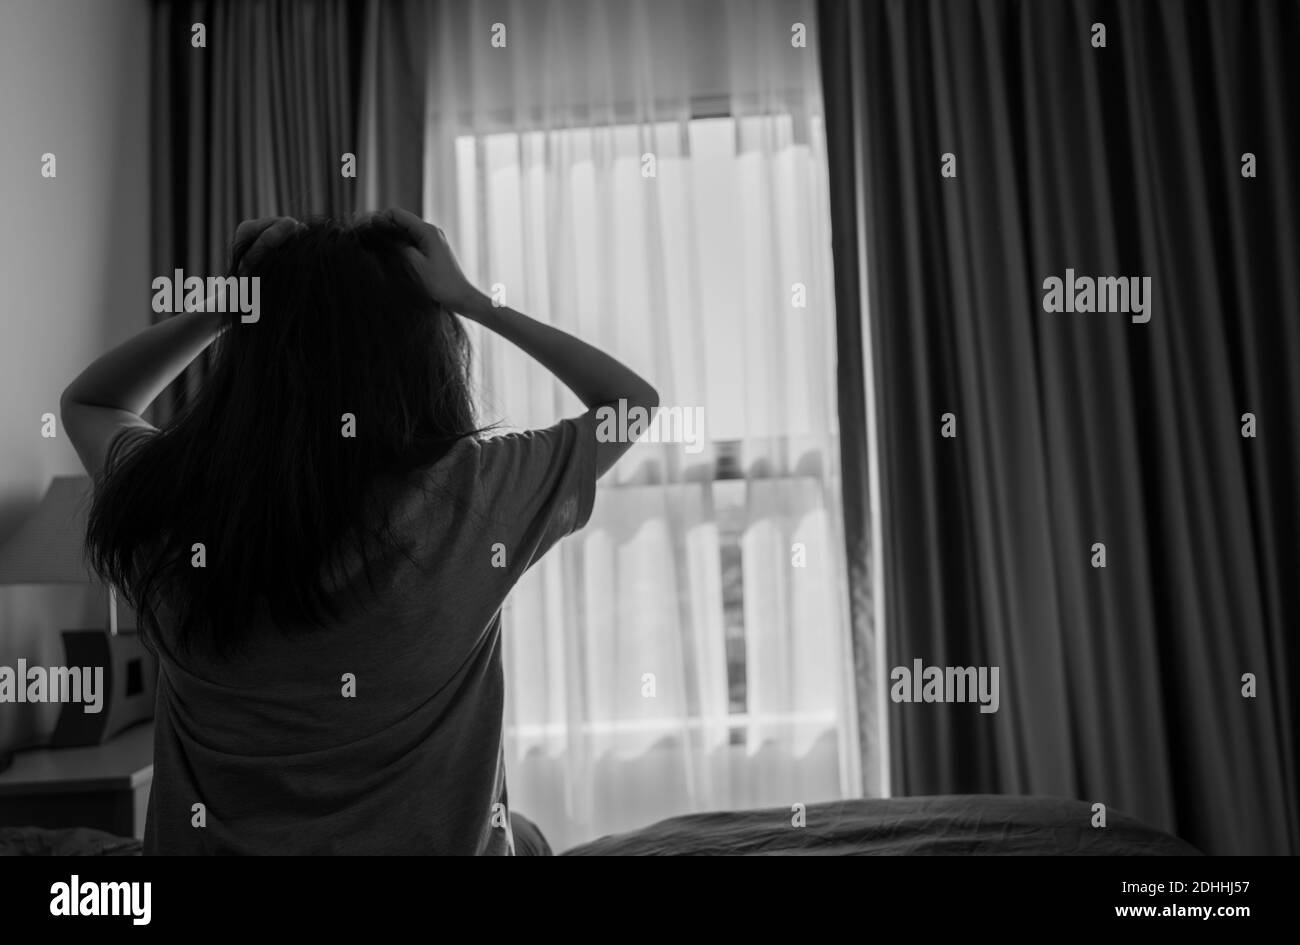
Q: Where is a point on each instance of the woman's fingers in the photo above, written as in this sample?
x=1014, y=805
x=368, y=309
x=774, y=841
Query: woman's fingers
x=261, y=236
x=420, y=265
x=247, y=232
x=421, y=233
x=249, y=229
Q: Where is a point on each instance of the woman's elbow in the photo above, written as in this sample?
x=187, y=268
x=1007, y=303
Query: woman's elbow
x=67, y=403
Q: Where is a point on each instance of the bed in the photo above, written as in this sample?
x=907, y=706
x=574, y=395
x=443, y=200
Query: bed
x=957, y=825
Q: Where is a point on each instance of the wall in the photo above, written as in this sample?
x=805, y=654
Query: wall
x=74, y=265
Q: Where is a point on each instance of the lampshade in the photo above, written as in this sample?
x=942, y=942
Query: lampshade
x=49, y=548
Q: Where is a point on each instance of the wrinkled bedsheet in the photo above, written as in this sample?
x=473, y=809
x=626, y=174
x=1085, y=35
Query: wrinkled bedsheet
x=69, y=841
x=961, y=825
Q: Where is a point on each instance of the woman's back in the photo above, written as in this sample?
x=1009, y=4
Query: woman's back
x=382, y=733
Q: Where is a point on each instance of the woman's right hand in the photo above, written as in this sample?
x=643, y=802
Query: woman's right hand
x=600, y=381
x=434, y=260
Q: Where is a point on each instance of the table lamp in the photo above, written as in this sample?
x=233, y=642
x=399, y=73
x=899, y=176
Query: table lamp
x=49, y=548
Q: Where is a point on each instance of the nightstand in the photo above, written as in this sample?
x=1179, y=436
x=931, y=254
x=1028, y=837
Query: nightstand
x=102, y=786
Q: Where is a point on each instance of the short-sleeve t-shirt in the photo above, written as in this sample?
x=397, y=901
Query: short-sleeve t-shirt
x=381, y=734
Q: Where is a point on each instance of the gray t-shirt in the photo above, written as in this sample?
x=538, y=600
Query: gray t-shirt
x=381, y=734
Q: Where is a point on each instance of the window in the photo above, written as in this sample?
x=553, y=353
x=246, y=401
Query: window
x=689, y=650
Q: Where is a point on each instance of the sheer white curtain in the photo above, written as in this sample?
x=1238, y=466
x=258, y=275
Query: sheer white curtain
x=651, y=177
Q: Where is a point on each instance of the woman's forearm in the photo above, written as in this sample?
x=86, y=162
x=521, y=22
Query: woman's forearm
x=594, y=376
x=131, y=375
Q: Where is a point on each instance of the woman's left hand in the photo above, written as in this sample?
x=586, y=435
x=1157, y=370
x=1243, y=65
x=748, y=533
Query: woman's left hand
x=260, y=236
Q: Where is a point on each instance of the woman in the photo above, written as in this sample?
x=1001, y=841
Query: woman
x=319, y=547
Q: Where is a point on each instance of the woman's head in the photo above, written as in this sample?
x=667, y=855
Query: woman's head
x=352, y=375
x=347, y=328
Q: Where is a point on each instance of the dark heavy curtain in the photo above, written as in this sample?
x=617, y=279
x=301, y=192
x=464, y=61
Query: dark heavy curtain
x=254, y=124
x=393, y=76
x=1120, y=685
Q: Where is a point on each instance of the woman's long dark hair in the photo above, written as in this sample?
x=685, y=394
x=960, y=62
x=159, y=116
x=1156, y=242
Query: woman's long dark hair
x=258, y=468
